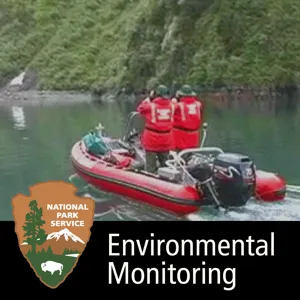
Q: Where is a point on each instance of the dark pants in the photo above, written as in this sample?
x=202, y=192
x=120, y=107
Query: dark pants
x=153, y=157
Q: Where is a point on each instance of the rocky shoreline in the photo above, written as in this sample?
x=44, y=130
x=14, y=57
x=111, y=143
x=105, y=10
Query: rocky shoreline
x=24, y=86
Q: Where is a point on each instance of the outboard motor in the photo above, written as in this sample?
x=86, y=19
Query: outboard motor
x=234, y=179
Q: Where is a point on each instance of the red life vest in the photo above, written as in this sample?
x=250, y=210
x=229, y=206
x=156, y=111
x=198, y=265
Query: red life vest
x=187, y=123
x=159, y=116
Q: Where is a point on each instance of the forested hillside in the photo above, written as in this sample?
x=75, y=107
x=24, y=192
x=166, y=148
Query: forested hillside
x=79, y=44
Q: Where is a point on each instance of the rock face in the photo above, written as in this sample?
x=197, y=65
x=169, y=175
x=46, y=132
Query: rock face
x=23, y=82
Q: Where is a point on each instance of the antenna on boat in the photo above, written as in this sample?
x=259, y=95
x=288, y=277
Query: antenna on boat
x=205, y=125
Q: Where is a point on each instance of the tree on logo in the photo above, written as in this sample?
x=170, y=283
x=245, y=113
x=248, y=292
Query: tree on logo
x=34, y=233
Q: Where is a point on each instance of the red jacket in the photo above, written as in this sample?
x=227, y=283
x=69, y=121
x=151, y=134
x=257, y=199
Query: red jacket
x=187, y=123
x=158, y=114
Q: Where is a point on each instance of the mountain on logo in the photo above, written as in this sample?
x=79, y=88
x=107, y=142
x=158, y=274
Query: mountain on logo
x=68, y=235
x=64, y=239
x=59, y=242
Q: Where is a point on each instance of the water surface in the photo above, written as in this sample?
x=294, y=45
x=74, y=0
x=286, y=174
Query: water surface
x=35, y=143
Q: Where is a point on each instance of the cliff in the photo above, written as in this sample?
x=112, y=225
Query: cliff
x=83, y=44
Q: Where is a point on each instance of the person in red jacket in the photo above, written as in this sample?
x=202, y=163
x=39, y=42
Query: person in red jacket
x=157, y=137
x=187, y=120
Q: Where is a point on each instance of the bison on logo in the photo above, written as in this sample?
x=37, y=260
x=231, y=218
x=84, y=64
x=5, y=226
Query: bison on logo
x=53, y=227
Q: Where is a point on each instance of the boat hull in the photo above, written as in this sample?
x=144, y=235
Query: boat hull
x=171, y=197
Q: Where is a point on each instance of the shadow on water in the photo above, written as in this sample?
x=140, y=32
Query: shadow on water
x=36, y=138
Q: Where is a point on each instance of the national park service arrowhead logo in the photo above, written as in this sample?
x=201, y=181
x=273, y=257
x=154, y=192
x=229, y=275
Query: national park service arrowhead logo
x=53, y=227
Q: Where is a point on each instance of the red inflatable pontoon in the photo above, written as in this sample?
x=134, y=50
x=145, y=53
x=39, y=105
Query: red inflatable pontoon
x=170, y=194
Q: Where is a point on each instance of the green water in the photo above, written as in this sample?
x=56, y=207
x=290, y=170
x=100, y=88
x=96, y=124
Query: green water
x=35, y=143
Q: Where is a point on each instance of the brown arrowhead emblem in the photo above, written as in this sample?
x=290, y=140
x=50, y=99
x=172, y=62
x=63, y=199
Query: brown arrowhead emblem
x=53, y=227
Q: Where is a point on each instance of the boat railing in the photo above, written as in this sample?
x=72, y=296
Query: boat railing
x=128, y=124
x=201, y=150
x=178, y=161
x=177, y=158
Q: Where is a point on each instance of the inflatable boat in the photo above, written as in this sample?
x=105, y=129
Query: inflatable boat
x=192, y=178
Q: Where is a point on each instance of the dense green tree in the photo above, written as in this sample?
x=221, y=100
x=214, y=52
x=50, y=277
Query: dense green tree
x=34, y=233
x=104, y=44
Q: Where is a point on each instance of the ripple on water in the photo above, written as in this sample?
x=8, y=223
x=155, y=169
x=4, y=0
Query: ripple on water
x=287, y=210
x=125, y=210
x=109, y=208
